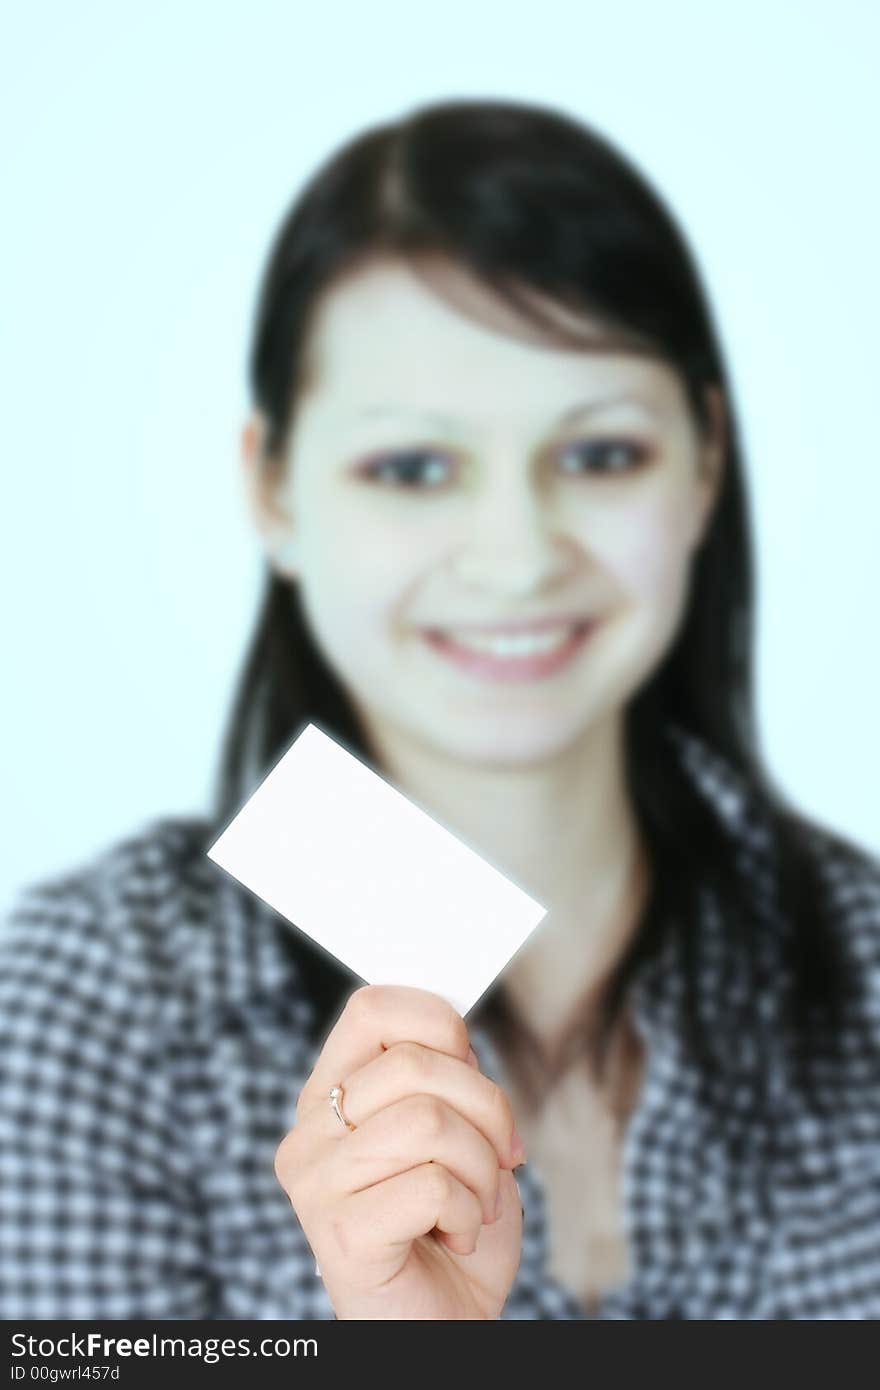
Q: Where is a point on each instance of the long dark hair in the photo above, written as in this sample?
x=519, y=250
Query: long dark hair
x=529, y=199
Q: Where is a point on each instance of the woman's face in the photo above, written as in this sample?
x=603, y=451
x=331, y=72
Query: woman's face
x=441, y=476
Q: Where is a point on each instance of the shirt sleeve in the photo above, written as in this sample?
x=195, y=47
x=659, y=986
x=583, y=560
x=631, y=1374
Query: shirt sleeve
x=94, y=1217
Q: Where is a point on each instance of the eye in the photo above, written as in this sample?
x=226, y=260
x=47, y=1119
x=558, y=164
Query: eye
x=604, y=456
x=409, y=468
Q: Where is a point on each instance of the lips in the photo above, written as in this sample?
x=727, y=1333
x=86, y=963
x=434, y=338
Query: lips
x=509, y=643
x=510, y=656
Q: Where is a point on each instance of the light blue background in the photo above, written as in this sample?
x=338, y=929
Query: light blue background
x=147, y=156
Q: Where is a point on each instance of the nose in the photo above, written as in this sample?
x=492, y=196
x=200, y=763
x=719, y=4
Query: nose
x=514, y=548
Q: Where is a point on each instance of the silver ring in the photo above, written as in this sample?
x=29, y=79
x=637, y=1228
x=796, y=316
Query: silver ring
x=336, y=1102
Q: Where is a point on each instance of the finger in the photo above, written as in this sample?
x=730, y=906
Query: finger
x=374, y=1018
x=374, y=1222
x=412, y=1131
x=407, y=1069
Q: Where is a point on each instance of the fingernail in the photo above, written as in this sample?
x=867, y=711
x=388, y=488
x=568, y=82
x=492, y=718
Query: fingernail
x=518, y=1154
x=472, y=1059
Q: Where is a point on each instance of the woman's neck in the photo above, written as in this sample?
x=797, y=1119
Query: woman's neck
x=558, y=978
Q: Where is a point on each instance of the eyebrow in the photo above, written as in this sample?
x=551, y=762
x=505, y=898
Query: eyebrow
x=574, y=412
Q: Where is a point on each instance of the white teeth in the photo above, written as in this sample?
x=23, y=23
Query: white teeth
x=514, y=644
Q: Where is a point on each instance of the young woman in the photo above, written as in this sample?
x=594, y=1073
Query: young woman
x=494, y=462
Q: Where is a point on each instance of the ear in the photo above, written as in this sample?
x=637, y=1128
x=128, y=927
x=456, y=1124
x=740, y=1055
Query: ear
x=711, y=462
x=263, y=477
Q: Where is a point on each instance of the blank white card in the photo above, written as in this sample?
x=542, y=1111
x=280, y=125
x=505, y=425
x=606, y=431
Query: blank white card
x=372, y=878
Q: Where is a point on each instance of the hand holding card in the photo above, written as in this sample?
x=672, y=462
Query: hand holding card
x=409, y=1204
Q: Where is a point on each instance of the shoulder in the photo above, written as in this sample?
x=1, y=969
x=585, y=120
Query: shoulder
x=86, y=1010
x=148, y=926
x=125, y=1070
x=849, y=875
x=114, y=919
x=834, y=929
x=850, y=878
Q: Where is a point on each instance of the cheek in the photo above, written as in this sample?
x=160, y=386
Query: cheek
x=646, y=550
x=356, y=574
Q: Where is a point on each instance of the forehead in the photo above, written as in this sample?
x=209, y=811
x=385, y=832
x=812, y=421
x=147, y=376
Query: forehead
x=386, y=333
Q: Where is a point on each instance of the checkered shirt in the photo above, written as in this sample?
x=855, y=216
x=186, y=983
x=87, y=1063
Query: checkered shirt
x=153, y=1042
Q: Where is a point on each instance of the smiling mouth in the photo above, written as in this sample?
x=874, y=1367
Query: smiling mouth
x=507, y=644
x=510, y=656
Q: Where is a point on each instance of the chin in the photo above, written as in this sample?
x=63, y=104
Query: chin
x=512, y=742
